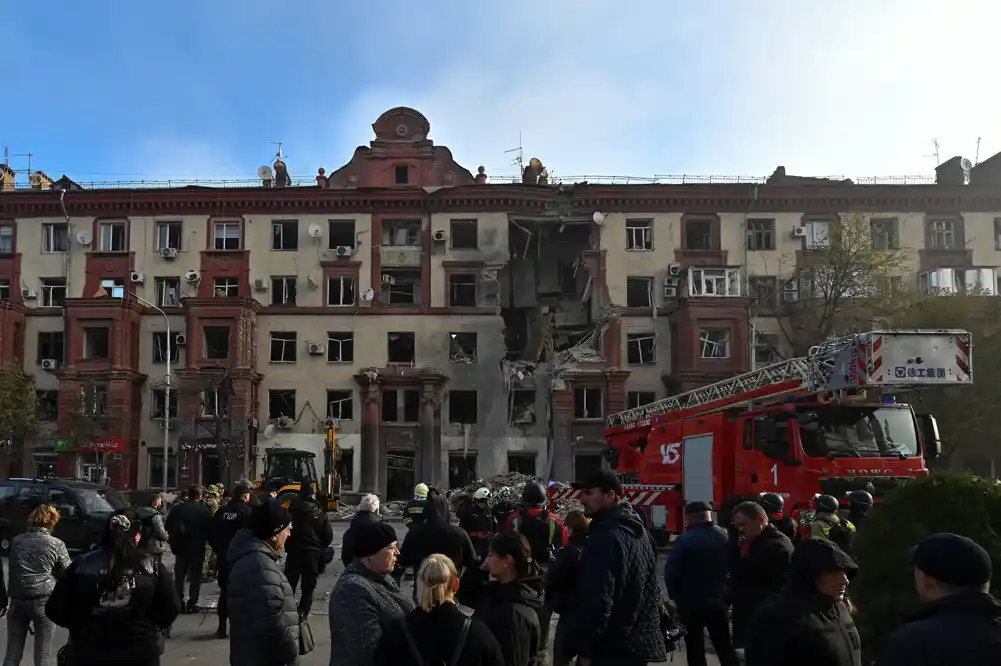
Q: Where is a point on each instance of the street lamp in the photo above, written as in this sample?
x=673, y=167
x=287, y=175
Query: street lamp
x=166, y=392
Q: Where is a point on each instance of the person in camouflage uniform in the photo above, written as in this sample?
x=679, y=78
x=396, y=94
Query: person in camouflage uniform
x=211, y=499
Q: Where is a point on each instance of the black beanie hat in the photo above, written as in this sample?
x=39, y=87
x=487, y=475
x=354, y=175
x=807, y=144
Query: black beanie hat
x=268, y=519
x=373, y=537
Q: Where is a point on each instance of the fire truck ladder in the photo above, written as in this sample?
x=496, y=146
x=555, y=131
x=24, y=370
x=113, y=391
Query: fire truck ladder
x=811, y=373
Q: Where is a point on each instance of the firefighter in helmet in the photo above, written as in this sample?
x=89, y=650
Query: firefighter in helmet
x=544, y=530
x=775, y=506
x=413, y=512
x=827, y=524
x=859, y=504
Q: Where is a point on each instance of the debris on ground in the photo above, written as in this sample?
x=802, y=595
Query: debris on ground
x=386, y=509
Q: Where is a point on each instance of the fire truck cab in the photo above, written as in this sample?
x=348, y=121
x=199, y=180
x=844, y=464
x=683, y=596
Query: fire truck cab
x=825, y=423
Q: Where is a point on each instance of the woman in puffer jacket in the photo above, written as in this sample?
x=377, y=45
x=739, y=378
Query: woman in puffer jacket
x=36, y=558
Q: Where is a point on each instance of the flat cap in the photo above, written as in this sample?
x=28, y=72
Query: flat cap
x=953, y=559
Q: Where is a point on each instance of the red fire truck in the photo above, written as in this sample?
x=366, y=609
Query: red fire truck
x=823, y=423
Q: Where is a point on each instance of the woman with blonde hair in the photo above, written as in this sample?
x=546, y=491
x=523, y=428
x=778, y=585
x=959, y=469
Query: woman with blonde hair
x=36, y=558
x=438, y=631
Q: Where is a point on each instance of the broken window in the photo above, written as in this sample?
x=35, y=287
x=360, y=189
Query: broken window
x=521, y=462
x=226, y=287
x=401, y=287
x=714, y=343
x=112, y=236
x=340, y=347
x=168, y=234
x=283, y=290
x=714, y=282
x=94, y=399
x=462, y=289
x=588, y=403
x=465, y=235
x=114, y=287
x=885, y=234
x=216, y=346
x=53, y=292
x=226, y=236
x=765, y=348
x=761, y=234
x=762, y=288
x=48, y=405
x=639, y=292
x=567, y=272
x=523, y=406
x=4, y=289
x=401, y=406
x=401, y=232
x=341, y=233
x=285, y=235
x=51, y=345
x=401, y=173
x=461, y=469
x=636, y=399
x=641, y=349
x=96, y=342
x=283, y=346
x=462, y=347
x=639, y=234
x=159, y=399
x=699, y=235
x=211, y=404
x=168, y=291
x=160, y=347
x=462, y=407
x=281, y=402
x=340, y=291
x=340, y=405
x=401, y=348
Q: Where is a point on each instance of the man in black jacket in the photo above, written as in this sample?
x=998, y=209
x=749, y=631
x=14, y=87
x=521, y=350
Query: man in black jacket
x=618, y=616
x=229, y=520
x=436, y=535
x=959, y=621
x=696, y=575
x=188, y=526
x=760, y=568
x=311, y=533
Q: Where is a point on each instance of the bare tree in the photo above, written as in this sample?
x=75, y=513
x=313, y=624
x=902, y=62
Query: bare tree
x=211, y=426
x=19, y=410
x=837, y=286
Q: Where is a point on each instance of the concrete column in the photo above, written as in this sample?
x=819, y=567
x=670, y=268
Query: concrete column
x=368, y=445
x=429, y=469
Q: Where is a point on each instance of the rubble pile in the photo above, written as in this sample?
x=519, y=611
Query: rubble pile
x=508, y=488
x=348, y=511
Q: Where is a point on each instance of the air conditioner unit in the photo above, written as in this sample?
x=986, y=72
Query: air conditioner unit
x=388, y=279
x=674, y=270
x=799, y=232
x=344, y=250
x=670, y=281
x=789, y=296
x=670, y=292
x=50, y=364
x=314, y=348
x=260, y=285
x=137, y=277
x=439, y=236
x=29, y=294
x=181, y=340
x=168, y=252
x=285, y=422
x=329, y=423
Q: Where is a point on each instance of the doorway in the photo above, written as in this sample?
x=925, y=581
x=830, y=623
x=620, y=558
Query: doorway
x=210, y=468
x=400, y=477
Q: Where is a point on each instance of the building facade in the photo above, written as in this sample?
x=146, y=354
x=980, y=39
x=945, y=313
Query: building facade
x=449, y=327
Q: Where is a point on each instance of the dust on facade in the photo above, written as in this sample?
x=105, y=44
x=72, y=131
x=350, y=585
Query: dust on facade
x=448, y=324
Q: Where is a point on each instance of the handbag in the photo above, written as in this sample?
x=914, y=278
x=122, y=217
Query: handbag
x=306, y=643
x=459, y=644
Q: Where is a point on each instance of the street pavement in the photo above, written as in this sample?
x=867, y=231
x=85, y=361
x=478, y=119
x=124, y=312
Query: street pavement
x=193, y=639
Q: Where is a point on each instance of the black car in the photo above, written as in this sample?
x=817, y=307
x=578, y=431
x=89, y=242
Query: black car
x=84, y=508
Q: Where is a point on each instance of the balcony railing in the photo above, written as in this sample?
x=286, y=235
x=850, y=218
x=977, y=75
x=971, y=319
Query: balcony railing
x=402, y=256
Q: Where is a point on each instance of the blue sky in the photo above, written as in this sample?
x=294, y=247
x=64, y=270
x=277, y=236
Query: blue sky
x=200, y=89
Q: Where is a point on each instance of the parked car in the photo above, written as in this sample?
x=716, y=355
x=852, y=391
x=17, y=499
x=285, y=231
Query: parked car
x=84, y=508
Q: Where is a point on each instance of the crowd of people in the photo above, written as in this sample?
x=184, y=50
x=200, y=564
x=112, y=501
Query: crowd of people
x=766, y=590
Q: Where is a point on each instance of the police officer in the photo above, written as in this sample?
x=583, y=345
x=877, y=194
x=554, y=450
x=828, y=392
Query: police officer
x=413, y=512
x=859, y=504
x=227, y=521
x=775, y=505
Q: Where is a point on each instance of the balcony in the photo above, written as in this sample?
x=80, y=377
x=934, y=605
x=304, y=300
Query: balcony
x=714, y=282
x=400, y=256
x=945, y=281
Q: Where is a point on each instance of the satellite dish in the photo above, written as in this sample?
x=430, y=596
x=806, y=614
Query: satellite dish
x=315, y=231
x=3, y=174
x=599, y=218
x=368, y=295
x=264, y=173
x=966, y=164
x=269, y=431
x=83, y=238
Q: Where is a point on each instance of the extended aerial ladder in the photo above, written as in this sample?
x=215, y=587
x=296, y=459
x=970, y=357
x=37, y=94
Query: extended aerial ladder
x=877, y=359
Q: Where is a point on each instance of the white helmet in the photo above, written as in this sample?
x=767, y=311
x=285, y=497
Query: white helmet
x=482, y=494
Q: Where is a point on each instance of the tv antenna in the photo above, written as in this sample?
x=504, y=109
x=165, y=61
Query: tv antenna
x=279, y=156
x=6, y=160
x=938, y=160
x=976, y=155
x=519, y=158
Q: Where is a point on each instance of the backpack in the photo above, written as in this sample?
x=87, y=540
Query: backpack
x=842, y=535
